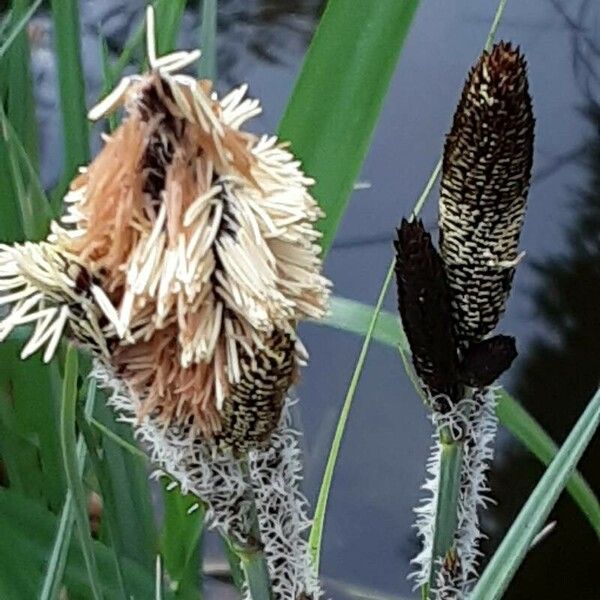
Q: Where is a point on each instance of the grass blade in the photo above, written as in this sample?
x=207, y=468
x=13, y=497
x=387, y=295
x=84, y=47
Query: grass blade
x=135, y=41
x=117, y=439
x=316, y=532
x=516, y=543
x=21, y=105
x=33, y=204
x=106, y=491
x=350, y=315
x=71, y=81
x=207, y=66
x=129, y=476
x=169, y=15
x=28, y=530
x=68, y=445
x=18, y=27
x=353, y=316
x=340, y=93
x=531, y=434
x=58, y=558
x=181, y=539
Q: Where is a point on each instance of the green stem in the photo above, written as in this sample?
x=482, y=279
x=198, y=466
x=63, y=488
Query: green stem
x=316, y=533
x=251, y=555
x=256, y=573
x=446, y=513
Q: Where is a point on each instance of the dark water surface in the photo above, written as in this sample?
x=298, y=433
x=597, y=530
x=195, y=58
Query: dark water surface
x=553, y=310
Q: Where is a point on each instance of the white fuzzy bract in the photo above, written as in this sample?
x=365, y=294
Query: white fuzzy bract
x=474, y=422
x=218, y=479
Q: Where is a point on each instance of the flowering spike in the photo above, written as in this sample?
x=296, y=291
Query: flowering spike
x=186, y=257
x=424, y=305
x=485, y=180
x=200, y=247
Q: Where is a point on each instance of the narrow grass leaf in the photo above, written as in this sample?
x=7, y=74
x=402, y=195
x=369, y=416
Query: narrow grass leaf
x=515, y=545
x=117, y=439
x=339, y=94
x=207, y=66
x=316, y=532
x=69, y=453
x=28, y=530
x=180, y=539
x=20, y=106
x=18, y=453
x=105, y=485
x=29, y=195
x=17, y=28
x=129, y=476
x=533, y=437
x=51, y=587
x=354, y=317
x=169, y=15
x=36, y=391
x=71, y=82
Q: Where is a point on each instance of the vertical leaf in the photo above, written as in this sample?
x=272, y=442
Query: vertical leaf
x=58, y=557
x=337, y=99
x=207, y=66
x=69, y=454
x=71, y=82
x=181, y=540
x=21, y=105
x=129, y=477
x=168, y=16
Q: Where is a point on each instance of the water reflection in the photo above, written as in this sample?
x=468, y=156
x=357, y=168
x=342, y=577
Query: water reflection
x=556, y=380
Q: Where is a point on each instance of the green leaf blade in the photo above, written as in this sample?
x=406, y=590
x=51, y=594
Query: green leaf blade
x=69, y=452
x=516, y=543
x=339, y=94
x=65, y=15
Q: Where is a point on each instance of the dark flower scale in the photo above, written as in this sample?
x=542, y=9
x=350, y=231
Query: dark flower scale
x=485, y=180
x=424, y=303
x=483, y=362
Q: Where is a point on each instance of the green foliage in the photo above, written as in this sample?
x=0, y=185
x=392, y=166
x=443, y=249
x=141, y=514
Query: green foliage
x=335, y=105
x=69, y=454
x=71, y=83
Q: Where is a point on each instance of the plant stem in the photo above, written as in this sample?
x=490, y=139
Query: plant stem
x=251, y=555
x=257, y=574
x=446, y=514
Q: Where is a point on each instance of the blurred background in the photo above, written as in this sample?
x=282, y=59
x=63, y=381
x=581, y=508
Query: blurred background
x=553, y=309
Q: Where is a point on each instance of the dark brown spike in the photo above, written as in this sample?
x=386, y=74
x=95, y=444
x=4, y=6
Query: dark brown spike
x=253, y=408
x=424, y=305
x=485, y=180
x=483, y=362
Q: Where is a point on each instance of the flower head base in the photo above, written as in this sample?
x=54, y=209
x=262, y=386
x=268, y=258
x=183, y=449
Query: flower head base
x=199, y=245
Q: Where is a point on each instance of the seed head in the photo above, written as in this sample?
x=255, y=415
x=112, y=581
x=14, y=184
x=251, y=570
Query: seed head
x=485, y=180
x=187, y=248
